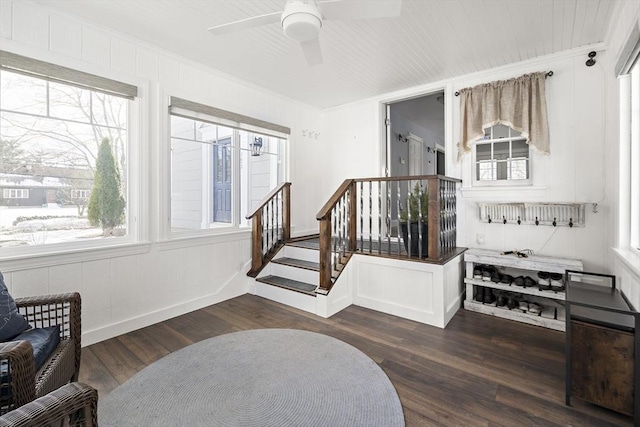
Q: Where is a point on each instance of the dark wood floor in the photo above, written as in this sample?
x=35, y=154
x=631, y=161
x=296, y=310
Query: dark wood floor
x=479, y=371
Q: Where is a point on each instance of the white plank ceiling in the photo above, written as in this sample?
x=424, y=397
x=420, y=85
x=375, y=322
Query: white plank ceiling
x=431, y=40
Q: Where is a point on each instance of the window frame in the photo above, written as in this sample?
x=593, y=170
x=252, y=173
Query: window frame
x=227, y=119
x=136, y=239
x=476, y=182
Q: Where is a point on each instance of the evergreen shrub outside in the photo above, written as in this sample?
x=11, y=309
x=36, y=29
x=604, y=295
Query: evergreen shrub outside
x=106, y=205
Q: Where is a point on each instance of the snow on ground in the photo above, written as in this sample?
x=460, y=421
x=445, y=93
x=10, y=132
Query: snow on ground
x=38, y=232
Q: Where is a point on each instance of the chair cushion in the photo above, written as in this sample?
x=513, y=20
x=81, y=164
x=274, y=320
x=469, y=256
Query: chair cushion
x=43, y=341
x=11, y=321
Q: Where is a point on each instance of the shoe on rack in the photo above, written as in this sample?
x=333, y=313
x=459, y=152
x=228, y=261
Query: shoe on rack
x=487, y=271
x=506, y=279
x=501, y=300
x=477, y=272
x=543, y=278
x=557, y=282
x=512, y=302
x=496, y=277
x=529, y=282
x=523, y=305
x=519, y=281
x=489, y=297
x=479, y=293
x=535, y=308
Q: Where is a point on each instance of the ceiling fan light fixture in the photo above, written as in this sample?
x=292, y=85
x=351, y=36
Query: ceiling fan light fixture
x=301, y=21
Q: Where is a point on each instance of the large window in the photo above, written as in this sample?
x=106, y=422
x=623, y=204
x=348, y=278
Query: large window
x=502, y=155
x=221, y=168
x=60, y=130
x=634, y=175
x=628, y=70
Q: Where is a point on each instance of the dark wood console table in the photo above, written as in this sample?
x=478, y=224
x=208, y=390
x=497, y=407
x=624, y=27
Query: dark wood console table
x=602, y=344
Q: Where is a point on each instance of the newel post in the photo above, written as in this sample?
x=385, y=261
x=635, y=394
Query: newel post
x=256, y=242
x=286, y=213
x=353, y=216
x=325, y=253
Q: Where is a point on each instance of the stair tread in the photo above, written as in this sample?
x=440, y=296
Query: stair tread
x=309, y=265
x=294, y=285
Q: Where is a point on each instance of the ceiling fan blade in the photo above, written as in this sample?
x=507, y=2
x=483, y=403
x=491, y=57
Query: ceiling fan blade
x=344, y=10
x=244, y=24
x=312, y=52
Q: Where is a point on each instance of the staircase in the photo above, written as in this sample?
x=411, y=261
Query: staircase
x=295, y=267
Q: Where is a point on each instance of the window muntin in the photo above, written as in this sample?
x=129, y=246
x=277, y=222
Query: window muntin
x=502, y=155
x=215, y=176
x=50, y=134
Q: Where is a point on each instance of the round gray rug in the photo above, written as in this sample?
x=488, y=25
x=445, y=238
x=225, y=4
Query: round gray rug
x=265, y=377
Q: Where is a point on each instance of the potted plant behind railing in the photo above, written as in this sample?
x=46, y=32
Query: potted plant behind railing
x=418, y=201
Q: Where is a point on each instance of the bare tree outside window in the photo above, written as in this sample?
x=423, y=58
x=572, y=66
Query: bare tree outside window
x=50, y=138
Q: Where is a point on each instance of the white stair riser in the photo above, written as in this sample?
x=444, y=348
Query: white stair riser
x=304, y=254
x=295, y=273
x=287, y=297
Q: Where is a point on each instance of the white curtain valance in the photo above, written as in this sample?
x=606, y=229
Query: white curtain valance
x=519, y=103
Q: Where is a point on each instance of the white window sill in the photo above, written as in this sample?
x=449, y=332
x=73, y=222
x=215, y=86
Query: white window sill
x=70, y=256
x=630, y=258
x=495, y=190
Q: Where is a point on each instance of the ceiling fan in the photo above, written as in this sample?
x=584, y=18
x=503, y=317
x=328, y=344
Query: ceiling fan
x=301, y=20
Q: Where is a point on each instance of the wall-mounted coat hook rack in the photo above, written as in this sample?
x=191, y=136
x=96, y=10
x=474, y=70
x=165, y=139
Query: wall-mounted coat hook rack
x=526, y=213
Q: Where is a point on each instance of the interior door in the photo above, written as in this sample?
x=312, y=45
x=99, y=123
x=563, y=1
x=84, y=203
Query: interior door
x=415, y=155
x=222, y=177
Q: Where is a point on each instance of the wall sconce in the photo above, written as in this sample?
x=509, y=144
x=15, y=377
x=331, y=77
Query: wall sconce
x=256, y=146
x=402, y=138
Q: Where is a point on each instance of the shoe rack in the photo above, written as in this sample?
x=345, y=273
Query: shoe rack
x=551, y=301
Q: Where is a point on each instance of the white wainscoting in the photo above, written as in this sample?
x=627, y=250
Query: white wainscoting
x=426, y=293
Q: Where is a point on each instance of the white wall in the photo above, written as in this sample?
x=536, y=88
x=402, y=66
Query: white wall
x=133, y=286
x=574, y=172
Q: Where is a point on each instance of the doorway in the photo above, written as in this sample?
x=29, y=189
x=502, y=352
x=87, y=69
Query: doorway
x=412, y=120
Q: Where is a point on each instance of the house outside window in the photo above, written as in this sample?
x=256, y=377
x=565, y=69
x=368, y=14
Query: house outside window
x=218, y=174
x=502, y=157
x=15, y=193
x=80, y=194
x=50, y=137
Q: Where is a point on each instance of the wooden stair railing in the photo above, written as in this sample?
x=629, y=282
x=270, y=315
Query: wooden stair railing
x=337, y=232
x=271, y=226
x=377, y=211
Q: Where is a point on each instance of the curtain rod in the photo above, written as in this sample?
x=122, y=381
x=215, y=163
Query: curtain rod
x=548, y=74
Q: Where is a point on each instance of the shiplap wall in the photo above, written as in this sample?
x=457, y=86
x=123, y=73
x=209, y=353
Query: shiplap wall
x=125, y=289
x=576, y=170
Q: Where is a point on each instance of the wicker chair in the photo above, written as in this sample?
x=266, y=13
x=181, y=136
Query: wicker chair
x=21, y=384
x=73, y=405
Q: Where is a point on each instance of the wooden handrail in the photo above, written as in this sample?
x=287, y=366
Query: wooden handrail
x=258, y=224
x=267, y=199
x=326, y=209
x=408, y=178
